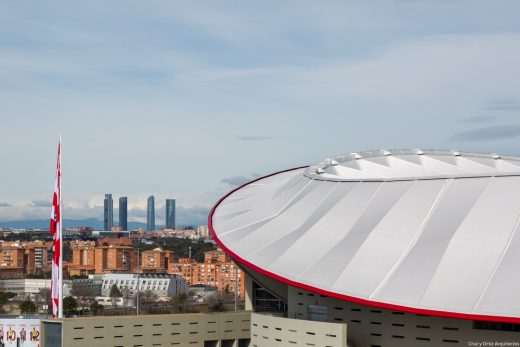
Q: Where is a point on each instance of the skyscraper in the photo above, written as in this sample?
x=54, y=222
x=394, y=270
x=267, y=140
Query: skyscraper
x=150, y=214
x=109, y=212
x=123, y=213
x=170, y=213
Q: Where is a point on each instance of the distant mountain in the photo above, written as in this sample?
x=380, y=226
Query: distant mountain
x=96, y=224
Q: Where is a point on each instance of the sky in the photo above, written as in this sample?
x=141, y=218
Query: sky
x=185, y=99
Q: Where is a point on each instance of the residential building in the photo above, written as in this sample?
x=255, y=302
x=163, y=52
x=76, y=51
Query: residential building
x=108, y=212
x=115, y=258
x=217, y=270
x=150, y=214
x=83, y=258
x=170, y=213
x=155, y=260
x=23, y=258
x=123, y=213
x=203, y=231
x=108, y=255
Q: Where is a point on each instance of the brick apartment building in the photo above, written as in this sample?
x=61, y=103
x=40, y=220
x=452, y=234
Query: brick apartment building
x=115, y=255
x=18, y=259
x=107, y=256
x=217, y=270
x=156, y=260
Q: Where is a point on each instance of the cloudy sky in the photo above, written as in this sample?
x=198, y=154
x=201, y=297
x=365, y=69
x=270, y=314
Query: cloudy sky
x=185, y=99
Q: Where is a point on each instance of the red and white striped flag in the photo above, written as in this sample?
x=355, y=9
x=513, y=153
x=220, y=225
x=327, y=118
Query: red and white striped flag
x=56, y=237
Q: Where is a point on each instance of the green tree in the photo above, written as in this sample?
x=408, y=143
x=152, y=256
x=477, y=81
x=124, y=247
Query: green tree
x=4, y=297
x=96, y=308
x=27, y=306
x=115, y=292
x=69, y=304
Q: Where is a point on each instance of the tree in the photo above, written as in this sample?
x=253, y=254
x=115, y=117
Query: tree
x=216, y=303
x=96, y=307
x=114, y=294
x=81, y=292
x=69, y=305
x=148, y=297
x=44, y=298
x=4, y=297
x=178, y=303
x=27, y=306
x=125, y=293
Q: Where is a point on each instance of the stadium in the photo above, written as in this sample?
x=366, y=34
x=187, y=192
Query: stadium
x=405, y=247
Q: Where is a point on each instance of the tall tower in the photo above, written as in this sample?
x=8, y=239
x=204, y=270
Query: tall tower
x=109, y=212
x=150, y=214
x=123, y=212
x=170, y=213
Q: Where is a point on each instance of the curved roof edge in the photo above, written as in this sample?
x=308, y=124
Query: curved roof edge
x=378, y=304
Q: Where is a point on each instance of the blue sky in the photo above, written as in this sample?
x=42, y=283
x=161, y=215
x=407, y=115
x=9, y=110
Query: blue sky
x=184, y=99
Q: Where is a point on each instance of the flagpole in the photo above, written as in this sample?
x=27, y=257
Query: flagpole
x=60, y=224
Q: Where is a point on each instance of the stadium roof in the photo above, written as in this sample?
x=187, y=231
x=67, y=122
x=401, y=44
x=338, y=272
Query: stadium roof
x=431, y=232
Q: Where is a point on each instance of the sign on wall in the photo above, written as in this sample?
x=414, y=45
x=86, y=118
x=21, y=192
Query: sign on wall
x=27, y=331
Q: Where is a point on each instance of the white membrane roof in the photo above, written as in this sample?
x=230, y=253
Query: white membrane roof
x=428, y=230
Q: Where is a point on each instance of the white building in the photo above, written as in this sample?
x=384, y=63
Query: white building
x=25, y=287
x=160, y=284
x=407, y=247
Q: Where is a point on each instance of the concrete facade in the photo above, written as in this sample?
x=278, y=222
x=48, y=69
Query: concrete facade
x=25, y=287
x=269, y=331
x=369, y=326
x=230, y=329
x=162, y=285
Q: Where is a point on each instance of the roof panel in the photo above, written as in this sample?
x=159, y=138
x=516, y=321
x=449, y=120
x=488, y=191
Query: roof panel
x=428, y=230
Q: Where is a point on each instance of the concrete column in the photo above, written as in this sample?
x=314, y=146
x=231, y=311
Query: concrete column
x=248, y=292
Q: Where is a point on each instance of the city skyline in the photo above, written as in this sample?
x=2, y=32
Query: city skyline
x=242, y=90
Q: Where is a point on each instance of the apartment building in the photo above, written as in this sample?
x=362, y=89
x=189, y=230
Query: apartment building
x=22, y=258
x=155, y=260
x=217, y=270
x=106, y=257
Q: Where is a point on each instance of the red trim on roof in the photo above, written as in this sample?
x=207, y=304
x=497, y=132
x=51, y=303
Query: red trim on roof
x=384, y=305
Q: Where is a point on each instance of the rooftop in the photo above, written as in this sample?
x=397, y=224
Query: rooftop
x=412, y=164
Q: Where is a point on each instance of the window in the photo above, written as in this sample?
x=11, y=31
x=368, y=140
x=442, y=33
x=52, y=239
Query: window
x=497, y=326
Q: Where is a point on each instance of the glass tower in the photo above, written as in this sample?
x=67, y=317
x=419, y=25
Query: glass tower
x=170, y=213
x=150, y=214
x=109, y=212
x=123, y=213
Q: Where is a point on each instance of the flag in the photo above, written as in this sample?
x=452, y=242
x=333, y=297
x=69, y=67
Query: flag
x=56, y=238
